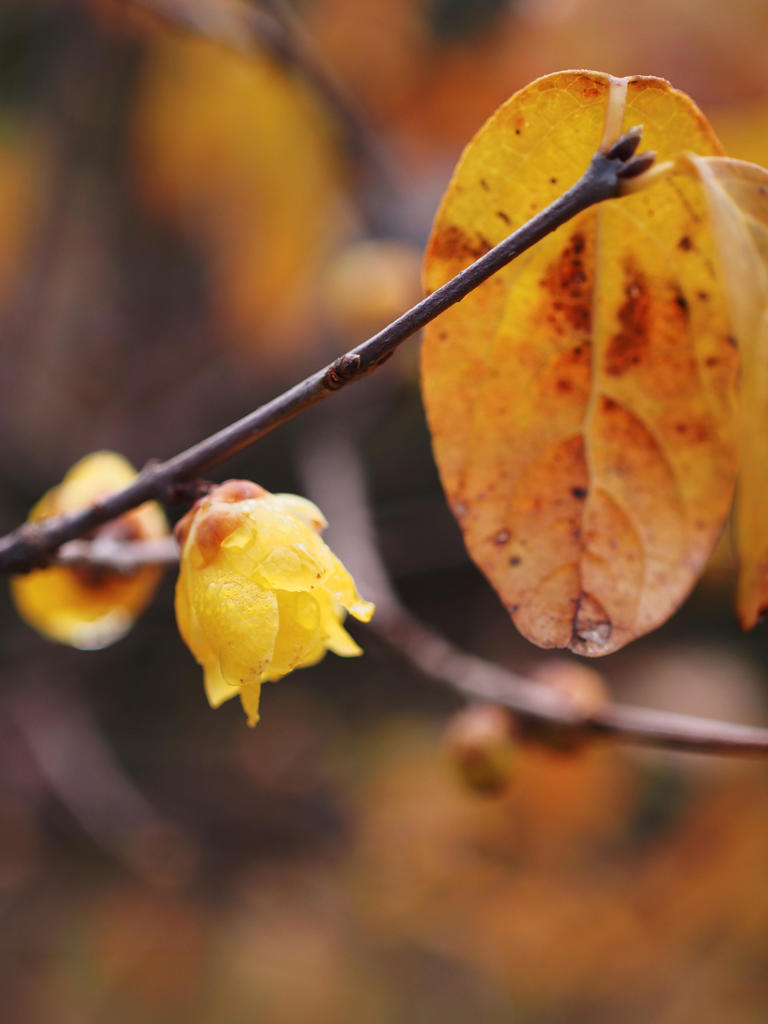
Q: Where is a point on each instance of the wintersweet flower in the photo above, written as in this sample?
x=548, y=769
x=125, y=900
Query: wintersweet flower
x=259, y=593
x=84, y=607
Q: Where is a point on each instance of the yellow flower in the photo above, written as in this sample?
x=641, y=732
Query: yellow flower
x=90, y=608
x=259, y=593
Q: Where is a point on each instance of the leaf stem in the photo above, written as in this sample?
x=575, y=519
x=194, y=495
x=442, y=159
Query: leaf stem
x=32, y=544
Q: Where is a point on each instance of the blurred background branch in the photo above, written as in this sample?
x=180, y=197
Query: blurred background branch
x=335, y=479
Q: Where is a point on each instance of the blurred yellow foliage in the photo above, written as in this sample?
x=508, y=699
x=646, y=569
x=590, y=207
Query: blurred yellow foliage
x=89, y=608
x=239, y=155
x=553, y=890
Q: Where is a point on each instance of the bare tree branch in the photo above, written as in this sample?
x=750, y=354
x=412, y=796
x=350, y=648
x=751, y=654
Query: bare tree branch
x=32, y=544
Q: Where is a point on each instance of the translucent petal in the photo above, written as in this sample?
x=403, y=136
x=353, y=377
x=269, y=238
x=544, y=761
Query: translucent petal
x=337, y=639
x=300, y=638
x=292, y=568
x=301, y=508
x=341, y=586
x=217, y=689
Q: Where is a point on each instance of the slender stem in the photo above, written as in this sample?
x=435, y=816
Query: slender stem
x=31, y=545
x=334, y=477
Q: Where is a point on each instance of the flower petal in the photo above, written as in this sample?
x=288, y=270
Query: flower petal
x=217, y=689
x=249, y=697
x=341, y=586
x=300, y=639
x=88, y=608
x=292, y=568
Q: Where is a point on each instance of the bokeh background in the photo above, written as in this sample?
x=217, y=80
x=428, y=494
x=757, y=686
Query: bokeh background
x=187, y=227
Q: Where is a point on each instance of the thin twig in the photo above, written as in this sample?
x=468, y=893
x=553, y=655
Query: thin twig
x=334, y=477
x=31, y=545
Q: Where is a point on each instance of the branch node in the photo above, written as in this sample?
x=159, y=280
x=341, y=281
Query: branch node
x=341, y=370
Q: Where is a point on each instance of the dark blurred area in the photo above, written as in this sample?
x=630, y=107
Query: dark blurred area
x=185, y=230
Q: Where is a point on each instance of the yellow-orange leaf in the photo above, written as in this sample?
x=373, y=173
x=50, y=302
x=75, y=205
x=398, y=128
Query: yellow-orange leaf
x=582, y=401
x=738, y=202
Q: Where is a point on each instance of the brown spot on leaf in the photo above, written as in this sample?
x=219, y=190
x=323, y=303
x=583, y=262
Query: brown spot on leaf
x=579, y=493
x=693, y=431
x=514, y=560
x=568, y=288
x=452, y=243
x=503, y=216
x=502, y=537
x=681, y=302
x=685, y=243
x=628, y=346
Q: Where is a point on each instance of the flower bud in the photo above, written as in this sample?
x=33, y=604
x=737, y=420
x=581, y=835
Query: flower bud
x=481, y=741
x=582, y=690
x=259, y=593
x=86, y=607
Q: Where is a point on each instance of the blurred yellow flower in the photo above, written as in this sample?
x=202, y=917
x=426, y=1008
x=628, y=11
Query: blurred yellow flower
x=259, y=593
x=84, y=607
